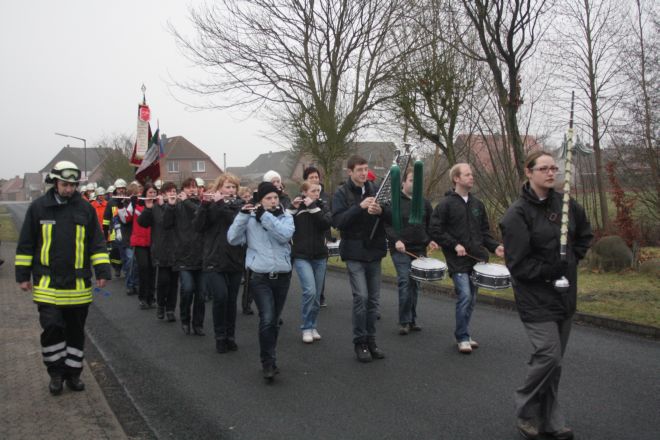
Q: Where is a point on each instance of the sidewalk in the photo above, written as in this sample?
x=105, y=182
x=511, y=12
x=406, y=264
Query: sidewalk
x=27, y=410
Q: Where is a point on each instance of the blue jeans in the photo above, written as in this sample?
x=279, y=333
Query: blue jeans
x=129, y=266
x=408, y=288
x=312, y=275
x=365, y=285
x=466, y=292
x=270, y=296
x=224, y=289
x=191, y=297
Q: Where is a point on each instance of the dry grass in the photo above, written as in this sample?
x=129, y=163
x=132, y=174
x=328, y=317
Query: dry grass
x=8, y=230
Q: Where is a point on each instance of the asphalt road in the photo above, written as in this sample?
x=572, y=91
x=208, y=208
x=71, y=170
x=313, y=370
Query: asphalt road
x=424, y=389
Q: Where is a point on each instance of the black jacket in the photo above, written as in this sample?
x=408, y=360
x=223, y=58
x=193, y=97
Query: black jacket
x=531, y=230
x=355, y=224
x=455, y=222
x=312, y=223
x=163, y=236
x=213, y=220
x=188, y=254
x=414, y=237
x=57, y=247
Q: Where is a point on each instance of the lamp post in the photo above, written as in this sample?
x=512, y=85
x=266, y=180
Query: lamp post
x=84, y=148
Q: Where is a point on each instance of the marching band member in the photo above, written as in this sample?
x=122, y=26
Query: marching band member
x=266, y=229
x=275, y=178
x=163, y=246
x=312, y=220
x=459, y=224
x=100, y=203
x=188, y=258
x=141, y=244
x=412, y=239
x=354, y=212
x=222, y=263
x=113, y=233
x=531, y=230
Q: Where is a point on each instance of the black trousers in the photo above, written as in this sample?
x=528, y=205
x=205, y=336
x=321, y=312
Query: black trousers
x=146, y=274
x=63, y=338
x=167, y=286
x=224, y=287
x=246, y=298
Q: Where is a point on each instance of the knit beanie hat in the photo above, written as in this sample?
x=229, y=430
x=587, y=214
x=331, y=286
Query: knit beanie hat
x=270, y=175
x=264, y=189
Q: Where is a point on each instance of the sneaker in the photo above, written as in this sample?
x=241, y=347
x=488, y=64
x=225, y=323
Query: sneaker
x=415, y=328
x=561, y=434
x=160, y=313
x=473, y=343
x=316, y=335
x=324, y=304
x=307, y=336
x=231, y=344
x=170, y=317
x=269, y=373
x=527, y=430
x=221, y=346
x=465, y=347
x=376, y=353
x=404, y=329
x=362, y=352
x=143, y=305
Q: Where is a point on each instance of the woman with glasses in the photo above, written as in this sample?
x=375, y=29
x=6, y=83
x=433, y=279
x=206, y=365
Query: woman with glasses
x=531, y=231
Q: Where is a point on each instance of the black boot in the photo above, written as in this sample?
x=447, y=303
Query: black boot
x=170, y=316
x=160, y=312
x=231, y=344
x=221, y=346
x=75, y=384
x=185, y=328
x=376, y=352
x=55, y=386
x=199, y=331
x=362, y=352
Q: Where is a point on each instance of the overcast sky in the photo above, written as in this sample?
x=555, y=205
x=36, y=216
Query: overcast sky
x=76, y=67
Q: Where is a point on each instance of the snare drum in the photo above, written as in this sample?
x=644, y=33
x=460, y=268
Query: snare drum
x=427, y=269
x=333, y=248
x=491, y=276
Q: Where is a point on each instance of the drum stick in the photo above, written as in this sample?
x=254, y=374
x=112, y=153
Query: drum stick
x=480, y=260
x=411, y=254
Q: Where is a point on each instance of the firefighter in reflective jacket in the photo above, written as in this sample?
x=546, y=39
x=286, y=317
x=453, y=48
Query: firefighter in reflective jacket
x=60, y=242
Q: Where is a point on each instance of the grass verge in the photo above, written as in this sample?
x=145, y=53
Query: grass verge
x=8, y=230
x=628, y=296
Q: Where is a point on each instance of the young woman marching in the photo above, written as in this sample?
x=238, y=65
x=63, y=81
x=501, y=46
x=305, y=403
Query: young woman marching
x=312, y=220
x=141, y=243
x=266, y=229
x=222, y=263
x=531, y=231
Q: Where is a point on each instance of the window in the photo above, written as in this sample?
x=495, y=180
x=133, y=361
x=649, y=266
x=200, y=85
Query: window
x=172, y=166
x=198, y=166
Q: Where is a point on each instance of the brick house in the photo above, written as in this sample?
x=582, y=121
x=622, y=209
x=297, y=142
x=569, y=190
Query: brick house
x=11, y=190
x=182, y=159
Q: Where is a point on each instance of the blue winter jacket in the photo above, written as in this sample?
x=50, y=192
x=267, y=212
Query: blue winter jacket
x=268, y=241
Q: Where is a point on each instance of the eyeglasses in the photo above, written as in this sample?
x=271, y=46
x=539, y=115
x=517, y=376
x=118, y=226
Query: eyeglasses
x=546, y=169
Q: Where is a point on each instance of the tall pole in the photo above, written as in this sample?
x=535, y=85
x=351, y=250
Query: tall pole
x=84, y=148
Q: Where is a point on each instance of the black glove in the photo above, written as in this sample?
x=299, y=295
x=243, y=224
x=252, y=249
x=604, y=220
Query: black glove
x=554, y=271
x=126, y=202
x=134, y=200
x=277, y=211
x=260, y=211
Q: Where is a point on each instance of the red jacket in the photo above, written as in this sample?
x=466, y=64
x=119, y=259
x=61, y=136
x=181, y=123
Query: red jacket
x=141, y=236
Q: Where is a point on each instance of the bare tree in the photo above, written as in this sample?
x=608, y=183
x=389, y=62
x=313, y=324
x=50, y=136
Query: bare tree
x=318, y=63
x=588, y=53
x=508, y=32
x=115, y=163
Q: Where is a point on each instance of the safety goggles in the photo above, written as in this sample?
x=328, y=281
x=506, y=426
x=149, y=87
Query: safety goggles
x=70, y=174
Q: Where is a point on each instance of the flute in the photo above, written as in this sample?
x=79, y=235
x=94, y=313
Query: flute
x=139, y=198
x=562, y=284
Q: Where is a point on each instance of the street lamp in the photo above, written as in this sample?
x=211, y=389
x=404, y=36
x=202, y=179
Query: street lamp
x=84, y=148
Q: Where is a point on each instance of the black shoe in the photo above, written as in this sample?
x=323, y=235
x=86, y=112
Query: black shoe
x=248, y=311
x=55, y=386
x=130, y=291
x=185, y=328
x=363, y=353
x=562, y=434
x=415, y=328
x=527, y=430
x=221, y=346
x=269, y=373
x=376, y=352
x=75, y=384
x=231, y=346
x=160, y=313
x=170, y=317
x=199, y=331
x=143, y=305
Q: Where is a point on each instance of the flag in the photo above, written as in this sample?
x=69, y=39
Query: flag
x=136, y=160
x=150, y=168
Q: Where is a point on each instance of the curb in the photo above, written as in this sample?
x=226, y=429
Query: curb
x=632, y=328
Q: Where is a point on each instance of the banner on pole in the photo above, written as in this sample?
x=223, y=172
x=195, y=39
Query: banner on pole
x=142, y=138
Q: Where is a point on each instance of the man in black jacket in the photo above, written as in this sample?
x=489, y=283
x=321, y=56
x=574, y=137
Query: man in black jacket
x=459, y=224
x=412, y=239
x=355, y=212
x=60, y=242
x=163, y=249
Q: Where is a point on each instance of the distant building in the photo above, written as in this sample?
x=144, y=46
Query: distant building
x=93, y=157
x=33, y=186
x=183, y=159
x=11, y=190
